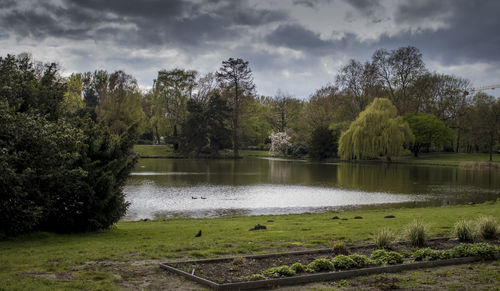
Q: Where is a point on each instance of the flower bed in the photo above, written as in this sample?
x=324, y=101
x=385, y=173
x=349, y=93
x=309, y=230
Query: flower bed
x=298, y=267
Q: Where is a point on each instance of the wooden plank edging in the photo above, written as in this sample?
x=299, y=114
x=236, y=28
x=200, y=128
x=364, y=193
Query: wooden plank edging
x=322, y=276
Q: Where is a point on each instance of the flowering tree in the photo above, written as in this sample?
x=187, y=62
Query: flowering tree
x=280, y=142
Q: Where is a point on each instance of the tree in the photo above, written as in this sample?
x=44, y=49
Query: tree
x=120, y=104
x=172, y=89
x=285, y=111
x=323, y=143
x=377, y=132
x=428, y=130
x=205, y=130
x=359, y=84
x=280, y=142
x=235, y=76
x=64, y=175
x=398, y=70
x=73, y=101
x=485, y=121
x=27, y=85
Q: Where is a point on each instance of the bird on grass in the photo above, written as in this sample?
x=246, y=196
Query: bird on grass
x=198, y=234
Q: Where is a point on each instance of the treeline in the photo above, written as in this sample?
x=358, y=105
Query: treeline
x=202, y=114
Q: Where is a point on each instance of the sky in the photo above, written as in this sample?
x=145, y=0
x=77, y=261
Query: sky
x=295, y=46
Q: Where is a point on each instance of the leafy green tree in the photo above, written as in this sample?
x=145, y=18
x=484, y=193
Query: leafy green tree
x=323, y=143
x=377, y=132
x=73, y=101
x=428, y=131
x=27, y=85
x=236, y=78
x=218, y=114
x=255, y=126
x=172, y=90
x=120, y=105
x=205, y=130
x=485, y=121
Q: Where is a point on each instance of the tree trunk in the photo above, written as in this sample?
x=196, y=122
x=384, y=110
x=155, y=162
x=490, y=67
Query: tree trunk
x=176, y=143
x=235, y=122
x=491, y=148
x=458, y=139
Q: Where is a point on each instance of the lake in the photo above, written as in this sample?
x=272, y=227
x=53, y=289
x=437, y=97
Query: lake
x=253, y=186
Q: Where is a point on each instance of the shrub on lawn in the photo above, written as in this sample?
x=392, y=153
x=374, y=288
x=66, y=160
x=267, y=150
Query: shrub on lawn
x=281, y=271
x=464, y=230
x=386, y=257
x=384, y=238
x=487, y=227
x=320, y=265
x=416, y=233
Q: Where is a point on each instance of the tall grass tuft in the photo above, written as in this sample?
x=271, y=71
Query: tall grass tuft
x=487, y=227
x=339, y=248
x=464, y=231
x=416, y=233
x=384, y=238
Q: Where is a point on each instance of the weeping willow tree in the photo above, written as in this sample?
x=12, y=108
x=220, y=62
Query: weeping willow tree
x=377, y=132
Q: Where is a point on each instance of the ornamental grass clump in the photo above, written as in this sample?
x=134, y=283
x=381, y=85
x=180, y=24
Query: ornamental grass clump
x=487, y=227
x=339, y=248
x=416, y=233
x=384, y=238
x=464, y=231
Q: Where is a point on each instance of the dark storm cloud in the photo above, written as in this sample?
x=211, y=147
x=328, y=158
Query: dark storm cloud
x=367, y=7
x=418, y=11
x=296, y=36
x=136, y=22
x=471, y=31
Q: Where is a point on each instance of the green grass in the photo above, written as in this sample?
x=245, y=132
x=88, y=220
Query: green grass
x=153, y=150
x=157, y=151
x=447, y=159
x=74, y=255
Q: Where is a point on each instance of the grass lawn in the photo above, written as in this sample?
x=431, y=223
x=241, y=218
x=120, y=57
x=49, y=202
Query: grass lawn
x=448, y=159
x=157, y=151
x=127, y=256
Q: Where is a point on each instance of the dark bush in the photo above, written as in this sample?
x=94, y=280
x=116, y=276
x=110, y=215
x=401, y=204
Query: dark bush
x=298, y=150
x=324, y=143
x=60, y=176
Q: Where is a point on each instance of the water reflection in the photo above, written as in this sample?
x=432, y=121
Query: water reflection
x=165, y=188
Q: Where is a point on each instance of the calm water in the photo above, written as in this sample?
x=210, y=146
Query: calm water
x=252, y=186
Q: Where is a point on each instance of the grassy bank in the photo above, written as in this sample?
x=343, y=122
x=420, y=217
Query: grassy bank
x=163, y=151
x=115, y=258
x=442, y=159
x=448, y=159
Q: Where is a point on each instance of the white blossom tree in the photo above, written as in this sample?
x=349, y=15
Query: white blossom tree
x=280, y=142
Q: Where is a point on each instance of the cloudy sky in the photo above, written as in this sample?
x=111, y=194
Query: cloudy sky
x=296, y=46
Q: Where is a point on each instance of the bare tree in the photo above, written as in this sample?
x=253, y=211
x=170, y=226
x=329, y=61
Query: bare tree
x=236, y=77
x=398, y=70
x=360, y=85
